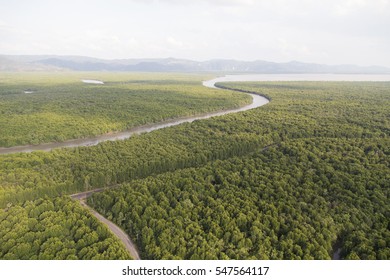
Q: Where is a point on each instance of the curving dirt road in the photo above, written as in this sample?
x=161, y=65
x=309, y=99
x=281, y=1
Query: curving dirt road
x=117, y=231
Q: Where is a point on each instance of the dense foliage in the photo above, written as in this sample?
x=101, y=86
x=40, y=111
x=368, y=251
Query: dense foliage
x=323, y=187
x=297, y=110
x=55, y=229
x=299, y=178
x=39, y=108
x=298, y=200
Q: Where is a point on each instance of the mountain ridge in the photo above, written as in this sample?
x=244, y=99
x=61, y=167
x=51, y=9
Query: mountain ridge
x=84, y=63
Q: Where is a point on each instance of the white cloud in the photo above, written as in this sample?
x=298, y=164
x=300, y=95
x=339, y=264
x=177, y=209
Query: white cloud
x=231, y=2
x=192, y=2
x=348, y=7
x=3, y=24
x=174, y=42
x=332, y=31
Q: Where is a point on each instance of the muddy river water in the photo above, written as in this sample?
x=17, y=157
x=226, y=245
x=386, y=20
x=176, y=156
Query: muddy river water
x=256, y=102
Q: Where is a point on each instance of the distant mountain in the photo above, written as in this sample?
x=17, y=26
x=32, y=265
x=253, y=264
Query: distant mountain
x=80, y=63
x=8, y=63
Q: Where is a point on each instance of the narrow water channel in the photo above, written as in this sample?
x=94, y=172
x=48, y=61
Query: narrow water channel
x=257, y=101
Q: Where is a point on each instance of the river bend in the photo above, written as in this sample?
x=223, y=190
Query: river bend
x=257, y=101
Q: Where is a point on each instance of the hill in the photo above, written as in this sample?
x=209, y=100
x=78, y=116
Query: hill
x=81, y=63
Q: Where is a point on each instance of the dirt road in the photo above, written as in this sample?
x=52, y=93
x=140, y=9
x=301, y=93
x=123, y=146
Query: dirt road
x=117, y=231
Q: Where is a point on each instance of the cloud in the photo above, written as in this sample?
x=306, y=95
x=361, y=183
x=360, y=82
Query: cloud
x=347, y=7
x=231, y=2
x=6, y=27
x=174, y=42
x=309, y=30
x=223, y=3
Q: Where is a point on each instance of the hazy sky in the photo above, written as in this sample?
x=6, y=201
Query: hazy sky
x=322, y=31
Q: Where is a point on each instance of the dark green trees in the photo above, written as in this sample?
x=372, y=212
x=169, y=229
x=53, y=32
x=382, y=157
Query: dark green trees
x=55, y=229
x=300, y=178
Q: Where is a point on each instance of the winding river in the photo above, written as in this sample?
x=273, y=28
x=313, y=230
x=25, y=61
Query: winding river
x=257, y=101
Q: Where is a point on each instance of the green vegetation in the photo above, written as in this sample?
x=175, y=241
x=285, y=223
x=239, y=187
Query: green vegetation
x=56, y=229
x=297, y=178
x=291, y=201
x=61, y=107
x=324, y=186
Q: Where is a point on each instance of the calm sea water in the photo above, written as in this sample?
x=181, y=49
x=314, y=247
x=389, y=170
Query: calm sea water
x=297, y=77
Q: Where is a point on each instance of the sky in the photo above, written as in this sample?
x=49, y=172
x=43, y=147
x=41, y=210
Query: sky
x=314, y=31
